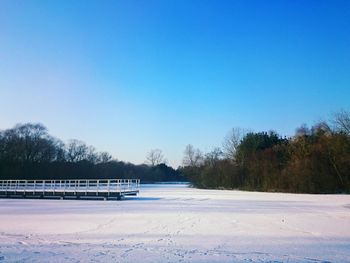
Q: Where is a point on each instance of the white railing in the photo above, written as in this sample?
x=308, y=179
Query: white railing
x=76, y=186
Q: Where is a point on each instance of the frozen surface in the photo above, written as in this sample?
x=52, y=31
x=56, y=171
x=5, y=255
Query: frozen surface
x=174, y=223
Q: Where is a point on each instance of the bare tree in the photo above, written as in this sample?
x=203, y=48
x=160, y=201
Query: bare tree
x=232, y=141
x=104, y=157
x=77, y=151
x=302, y=131
x=321, y=128
x=211, y=158
x=342, y=121
x=29, y=142
x=91, y=155
x=192, y=157
x=155, y=157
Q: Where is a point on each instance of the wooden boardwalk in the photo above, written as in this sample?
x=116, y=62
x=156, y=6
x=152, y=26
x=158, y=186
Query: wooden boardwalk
x=107, y=189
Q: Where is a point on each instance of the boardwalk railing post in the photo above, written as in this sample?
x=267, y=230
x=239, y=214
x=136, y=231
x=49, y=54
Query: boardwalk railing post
x=75, y=189
x=98, y=185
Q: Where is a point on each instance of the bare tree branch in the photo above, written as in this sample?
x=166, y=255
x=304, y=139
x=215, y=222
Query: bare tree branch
x=155, y=157
x=342, y=121
x=231, y=142
x=192, y=157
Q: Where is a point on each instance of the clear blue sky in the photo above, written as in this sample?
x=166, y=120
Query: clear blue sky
x=129, y=76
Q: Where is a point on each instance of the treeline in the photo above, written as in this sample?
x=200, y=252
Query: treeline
x=28, y=151
x=314, y=160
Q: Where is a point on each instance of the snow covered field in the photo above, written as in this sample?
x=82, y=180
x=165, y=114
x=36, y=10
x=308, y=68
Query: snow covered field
x=174, y=223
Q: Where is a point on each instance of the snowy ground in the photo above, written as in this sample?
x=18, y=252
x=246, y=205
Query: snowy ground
x=173, y=223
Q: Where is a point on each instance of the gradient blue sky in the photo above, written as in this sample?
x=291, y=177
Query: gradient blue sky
x=130, y=76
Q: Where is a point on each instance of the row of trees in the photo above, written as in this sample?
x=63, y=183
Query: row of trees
x=314, y=160
x=28, y=151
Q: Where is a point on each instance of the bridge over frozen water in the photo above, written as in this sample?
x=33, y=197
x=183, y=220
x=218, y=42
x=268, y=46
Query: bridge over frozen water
x=107, y=189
